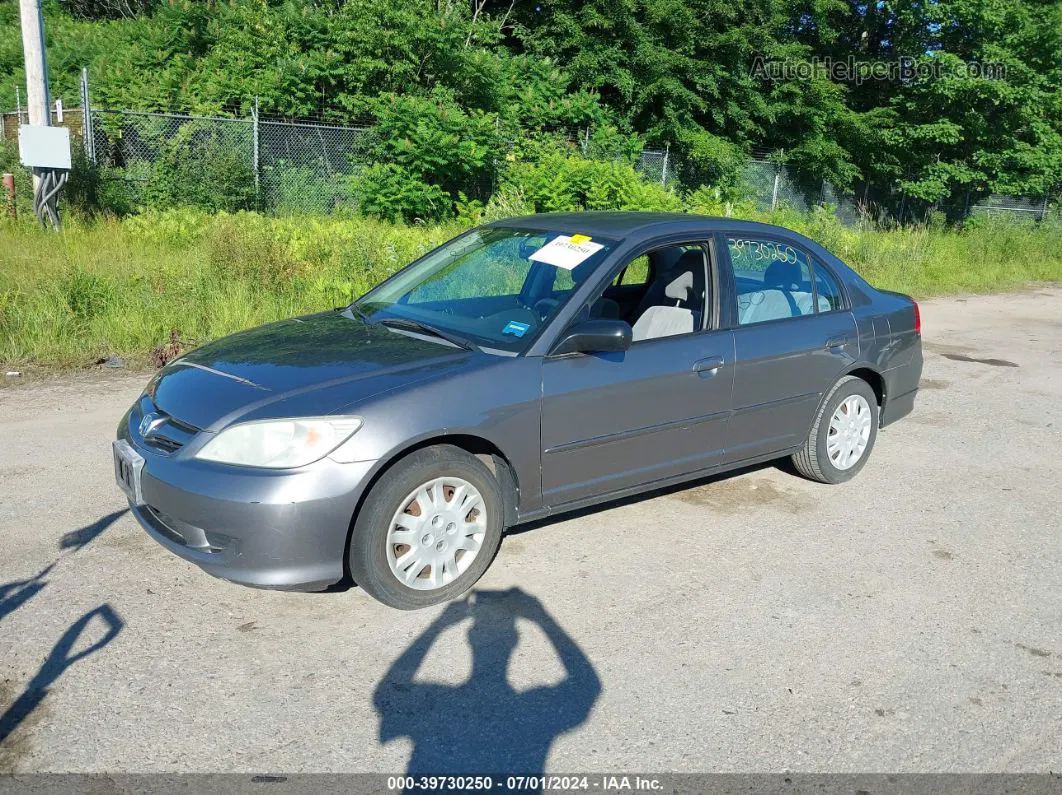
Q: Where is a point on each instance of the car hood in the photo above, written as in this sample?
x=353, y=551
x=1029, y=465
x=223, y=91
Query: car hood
x=316, y=364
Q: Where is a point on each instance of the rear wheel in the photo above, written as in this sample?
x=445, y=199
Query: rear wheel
x=428, y=529
x=842, y=435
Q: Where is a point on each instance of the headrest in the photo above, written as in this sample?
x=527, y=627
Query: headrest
x=679, y=289
x=783, y=274
x=664, y=259
x=692, y=260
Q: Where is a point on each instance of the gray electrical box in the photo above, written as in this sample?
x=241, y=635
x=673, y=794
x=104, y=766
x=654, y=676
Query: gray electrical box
x=44, y=147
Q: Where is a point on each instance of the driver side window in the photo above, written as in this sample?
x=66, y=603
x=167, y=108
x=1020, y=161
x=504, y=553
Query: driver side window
x=661, y=293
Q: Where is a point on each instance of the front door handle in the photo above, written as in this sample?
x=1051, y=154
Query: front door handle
x=709, y=366
x=836, y=342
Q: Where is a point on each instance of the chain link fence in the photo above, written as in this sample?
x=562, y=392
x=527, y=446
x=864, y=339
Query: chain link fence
x=274, y=165
x=655, y=166
x=296, y=166
x=307, y=167
x=770, y=185
x=164, y=158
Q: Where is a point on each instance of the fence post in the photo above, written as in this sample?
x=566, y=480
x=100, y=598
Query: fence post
x=88, y=135
x=663, y=170
x=18, y=106
x=774, y=192
x=1043, y=210
x=9, y=192
x=254, y=119
x=586, y=141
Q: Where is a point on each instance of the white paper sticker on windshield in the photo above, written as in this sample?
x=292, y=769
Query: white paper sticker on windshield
x=566, y=251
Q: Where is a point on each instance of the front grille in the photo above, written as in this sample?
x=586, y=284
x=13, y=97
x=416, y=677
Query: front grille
x=165, y=434
x=163, y=443
x=171, y=435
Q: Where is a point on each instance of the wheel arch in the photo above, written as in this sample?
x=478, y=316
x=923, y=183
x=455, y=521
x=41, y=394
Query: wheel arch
x=481, y=447
x=864, y=372
x=872, y=377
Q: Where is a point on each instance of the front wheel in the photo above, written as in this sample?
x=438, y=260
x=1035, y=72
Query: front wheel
x=428, y=530
x=843, y=433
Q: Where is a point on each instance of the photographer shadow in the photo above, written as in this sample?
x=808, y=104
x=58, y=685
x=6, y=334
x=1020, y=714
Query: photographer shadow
x=484, y=725
x=61, y=657
x=15, y=594
x=70, y=648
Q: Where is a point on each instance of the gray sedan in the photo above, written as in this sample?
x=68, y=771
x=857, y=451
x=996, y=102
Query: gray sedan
x=527, y=367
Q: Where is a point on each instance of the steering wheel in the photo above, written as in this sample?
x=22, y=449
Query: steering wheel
x=544, y=306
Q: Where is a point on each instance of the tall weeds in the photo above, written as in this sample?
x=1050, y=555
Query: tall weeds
x=122, y=286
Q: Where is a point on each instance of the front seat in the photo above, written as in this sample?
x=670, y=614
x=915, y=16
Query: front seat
x=666, y=320
x=689, y=268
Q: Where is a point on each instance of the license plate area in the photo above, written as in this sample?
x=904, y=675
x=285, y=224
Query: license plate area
x=128, y=466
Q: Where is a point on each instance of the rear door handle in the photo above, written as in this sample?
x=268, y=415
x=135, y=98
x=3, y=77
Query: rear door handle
x=837, y=342
x=709, y=366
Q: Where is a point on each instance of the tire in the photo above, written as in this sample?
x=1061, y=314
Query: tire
x=416, y=500
x=815, y=460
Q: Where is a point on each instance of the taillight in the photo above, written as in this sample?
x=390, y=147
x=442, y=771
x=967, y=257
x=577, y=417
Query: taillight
x=918, y=319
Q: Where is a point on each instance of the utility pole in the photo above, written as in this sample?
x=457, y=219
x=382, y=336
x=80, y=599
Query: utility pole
x=36, y=62
x=43, y=148
x=36, y=68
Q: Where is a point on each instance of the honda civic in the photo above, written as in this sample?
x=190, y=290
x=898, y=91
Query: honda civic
x=526, y=368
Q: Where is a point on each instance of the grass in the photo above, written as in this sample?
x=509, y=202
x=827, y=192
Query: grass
x=121, y=287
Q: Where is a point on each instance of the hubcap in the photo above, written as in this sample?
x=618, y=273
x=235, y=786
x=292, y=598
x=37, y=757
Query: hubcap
x=436, y=533
x=849, y=432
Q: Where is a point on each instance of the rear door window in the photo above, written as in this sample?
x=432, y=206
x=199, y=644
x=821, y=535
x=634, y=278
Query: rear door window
x=828, y=290
x=773, y=279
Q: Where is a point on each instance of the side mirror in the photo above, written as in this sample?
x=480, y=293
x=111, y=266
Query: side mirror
x=594, y=336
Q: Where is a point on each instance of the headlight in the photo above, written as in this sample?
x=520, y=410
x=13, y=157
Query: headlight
x=279, y=444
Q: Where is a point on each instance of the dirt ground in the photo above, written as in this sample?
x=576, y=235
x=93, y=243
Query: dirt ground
x=906, y=621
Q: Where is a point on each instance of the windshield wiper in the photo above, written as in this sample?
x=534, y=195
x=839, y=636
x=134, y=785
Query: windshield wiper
x=424, y=328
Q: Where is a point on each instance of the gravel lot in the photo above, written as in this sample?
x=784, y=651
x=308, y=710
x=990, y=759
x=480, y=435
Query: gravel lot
x=907, y=621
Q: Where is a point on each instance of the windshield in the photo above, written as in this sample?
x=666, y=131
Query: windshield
x=495, y=288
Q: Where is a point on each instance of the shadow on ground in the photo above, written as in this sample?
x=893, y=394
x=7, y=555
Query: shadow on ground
x=14, y=595
x=60, y=658
x=484, y=725
x=76, y=539
x=563, y=516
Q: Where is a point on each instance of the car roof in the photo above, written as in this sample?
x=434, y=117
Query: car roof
x=628, y=225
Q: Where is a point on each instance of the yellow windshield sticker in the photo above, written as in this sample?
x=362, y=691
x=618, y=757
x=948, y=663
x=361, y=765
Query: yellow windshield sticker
x=564, y=252
x=581, y=239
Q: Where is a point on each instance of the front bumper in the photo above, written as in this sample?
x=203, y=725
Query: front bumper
x=280, y=529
